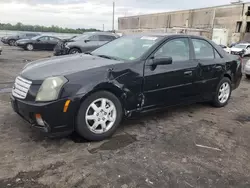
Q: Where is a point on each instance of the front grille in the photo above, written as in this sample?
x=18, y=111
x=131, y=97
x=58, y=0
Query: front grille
x=21, y=87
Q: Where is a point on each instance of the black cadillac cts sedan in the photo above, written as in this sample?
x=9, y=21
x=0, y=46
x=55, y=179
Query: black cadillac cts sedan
x=91, y=93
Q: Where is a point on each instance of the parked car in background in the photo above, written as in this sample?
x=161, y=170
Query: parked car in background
x=241, y=49
x=60, y=47
x=225, y=48
x=1, y=50
x=87, y=42
x=90, y=94
x=247, y=69
x=11, y=40
x=40, y=42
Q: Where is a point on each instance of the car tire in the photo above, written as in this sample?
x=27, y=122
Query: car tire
x=223, y=93
x=12, y=42
x=75, y=51
x=29, y=47
x=94, y=120
x=248, y=76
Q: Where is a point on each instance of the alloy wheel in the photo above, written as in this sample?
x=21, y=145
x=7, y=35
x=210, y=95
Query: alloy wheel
x=101, y=115
x=30, y=47
x=224, y=92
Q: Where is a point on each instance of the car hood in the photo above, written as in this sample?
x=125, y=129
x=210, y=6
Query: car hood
x=64, y=65
x=236, y=49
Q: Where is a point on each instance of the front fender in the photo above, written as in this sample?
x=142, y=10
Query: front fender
x=114, y=87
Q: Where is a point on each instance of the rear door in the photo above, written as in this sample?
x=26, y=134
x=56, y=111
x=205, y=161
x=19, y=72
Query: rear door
x=171, y=84
x=210, y=66
x=52, y=43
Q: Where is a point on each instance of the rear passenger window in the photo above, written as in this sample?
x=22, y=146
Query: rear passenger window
x=106, y=38
x=178, y=49
x=203, y=50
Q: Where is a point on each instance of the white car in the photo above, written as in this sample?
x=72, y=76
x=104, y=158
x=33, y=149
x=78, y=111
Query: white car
x=247, y=69
x=227, y=49
x=241, y=49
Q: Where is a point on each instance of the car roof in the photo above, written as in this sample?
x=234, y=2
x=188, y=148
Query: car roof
x=101, y=33
x=165, y=35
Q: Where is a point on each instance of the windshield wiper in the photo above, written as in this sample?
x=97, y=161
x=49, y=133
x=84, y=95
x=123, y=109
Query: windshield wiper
x=107, y=57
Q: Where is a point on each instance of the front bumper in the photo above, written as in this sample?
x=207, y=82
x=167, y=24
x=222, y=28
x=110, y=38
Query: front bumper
x=4, y=41
x=56, y=121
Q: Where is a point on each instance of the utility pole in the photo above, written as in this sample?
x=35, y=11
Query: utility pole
x=102, y=27
x=113, y=21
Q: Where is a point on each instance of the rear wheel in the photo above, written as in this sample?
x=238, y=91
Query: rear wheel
x=223, y=93
x=99, y=116
x=30, y=47
x=12, y=42
x=74, y=51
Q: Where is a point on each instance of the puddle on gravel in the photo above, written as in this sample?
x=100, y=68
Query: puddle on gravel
x=116, y=142
x=243, y=118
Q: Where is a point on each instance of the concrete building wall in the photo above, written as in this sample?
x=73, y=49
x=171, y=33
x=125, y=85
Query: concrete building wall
x=214, y=17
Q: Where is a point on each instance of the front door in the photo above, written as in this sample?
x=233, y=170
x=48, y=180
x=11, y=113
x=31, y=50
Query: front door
x=171, y=84
x=41, y=43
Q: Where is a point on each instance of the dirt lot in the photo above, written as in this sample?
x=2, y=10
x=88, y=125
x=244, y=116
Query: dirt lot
x=158, y=150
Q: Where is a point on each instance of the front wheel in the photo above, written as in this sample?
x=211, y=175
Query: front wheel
x=29, y=47
x=223, y=93
x=12, y=42
x=99, y=116
x=74, y=51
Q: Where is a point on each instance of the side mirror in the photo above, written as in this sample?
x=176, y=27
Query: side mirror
x=87, y=40
x=38, y=40
x=161, y=61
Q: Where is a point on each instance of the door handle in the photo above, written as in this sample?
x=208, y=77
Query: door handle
x=188, y=73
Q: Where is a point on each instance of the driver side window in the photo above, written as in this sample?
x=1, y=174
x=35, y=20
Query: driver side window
x=43, y=38
x=94, y=38
x=178, y=49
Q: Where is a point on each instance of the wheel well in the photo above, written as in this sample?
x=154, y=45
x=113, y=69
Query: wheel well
x=75, y=48
x=228, y=76
x=113, y=91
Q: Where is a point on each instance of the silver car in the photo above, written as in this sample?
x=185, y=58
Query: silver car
x=247, y=69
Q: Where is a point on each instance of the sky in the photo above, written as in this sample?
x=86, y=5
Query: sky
x=89, y=13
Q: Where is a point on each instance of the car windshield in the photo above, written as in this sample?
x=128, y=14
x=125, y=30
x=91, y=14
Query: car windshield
x=36, y=37
x=127, y=48
x=241, y=46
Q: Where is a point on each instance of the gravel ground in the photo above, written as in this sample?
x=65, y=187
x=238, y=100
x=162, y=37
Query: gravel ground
x=157, y=150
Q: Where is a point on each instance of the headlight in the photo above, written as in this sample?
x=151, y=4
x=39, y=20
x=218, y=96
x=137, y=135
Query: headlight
x=50, y=88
